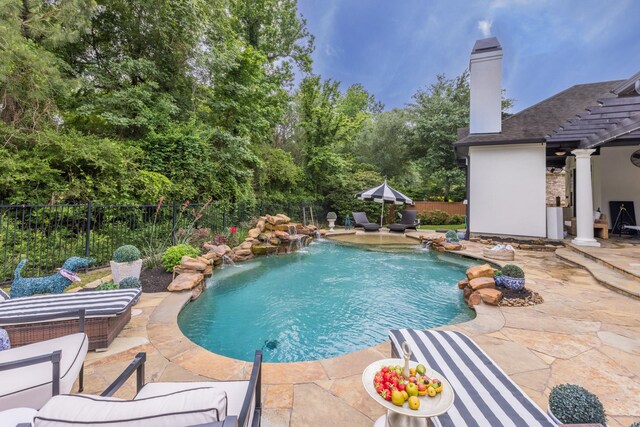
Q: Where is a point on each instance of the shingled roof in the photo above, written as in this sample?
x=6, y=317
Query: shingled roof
x=533, y=124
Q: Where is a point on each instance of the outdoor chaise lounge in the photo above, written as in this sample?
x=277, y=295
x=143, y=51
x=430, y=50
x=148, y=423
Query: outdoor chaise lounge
x=484, y=394
x=107, y=313
x=164, y=404
x=360, y=219
x=408, y=221
x=30, y=375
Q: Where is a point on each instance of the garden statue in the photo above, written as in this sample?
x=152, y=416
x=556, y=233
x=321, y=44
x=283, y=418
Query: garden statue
x=54, y=284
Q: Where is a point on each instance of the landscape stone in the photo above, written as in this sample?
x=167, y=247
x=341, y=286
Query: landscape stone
x=490, y=296
x=484, y=270
x=263, y=249
x=452, y=246
x=481, y=283
x=242, y=252
x=254, y=232
x=185, y=281
x=463, y=283
x=282, y=235
x=474, y=299
x=283, y=218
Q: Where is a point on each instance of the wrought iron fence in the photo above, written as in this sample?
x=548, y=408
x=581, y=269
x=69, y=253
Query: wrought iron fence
x=49, y=234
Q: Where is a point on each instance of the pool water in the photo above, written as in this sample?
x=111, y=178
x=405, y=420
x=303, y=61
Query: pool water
x=328, y=300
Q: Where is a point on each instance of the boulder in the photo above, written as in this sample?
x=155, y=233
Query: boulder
x=484, y=270
x=439, y=248
x=246, y=245
x=274, y=241
x=312, y=227
x=219, y=250
x=254, y=232
x=482, y=283
x=490, y=296
x=282, y=235
x=197, y=291
x=283, y=219
x=242, y=252
x=263, y=249
x=189, y=263
x=211, y=256
x=261, y=223
x=451, y=246
x=185, y=281
x=474, y=299
x=463, y=283
x=204, y=260
x=466, y=292
x=305, y=231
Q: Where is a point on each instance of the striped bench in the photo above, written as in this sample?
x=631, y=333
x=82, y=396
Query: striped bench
x=107, y=312
x=485, y=395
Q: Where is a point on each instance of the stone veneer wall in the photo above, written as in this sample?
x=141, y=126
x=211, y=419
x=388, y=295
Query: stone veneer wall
x=556, y=186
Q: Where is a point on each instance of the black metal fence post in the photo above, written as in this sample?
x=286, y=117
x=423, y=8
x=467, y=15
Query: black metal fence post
x=87, y=242
x=174, y=223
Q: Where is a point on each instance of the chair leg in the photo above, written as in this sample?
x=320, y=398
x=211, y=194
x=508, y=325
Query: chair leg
x=81, y=379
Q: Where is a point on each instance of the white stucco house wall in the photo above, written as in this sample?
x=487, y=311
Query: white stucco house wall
x=589, y=131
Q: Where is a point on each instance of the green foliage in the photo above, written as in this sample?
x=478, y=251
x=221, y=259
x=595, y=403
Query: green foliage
x=452, y=236
x=126, y=253
x=107, y=286
x=636, y=424
x=457, y=219
x=512, y=270
x=572, y=404
x=174, y=254
x=130, y=283
x=434, y=217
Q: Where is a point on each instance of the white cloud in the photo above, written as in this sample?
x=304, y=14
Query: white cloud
x=484, y=26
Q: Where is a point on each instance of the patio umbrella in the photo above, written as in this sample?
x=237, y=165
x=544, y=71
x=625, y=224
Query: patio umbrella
x=383, y=193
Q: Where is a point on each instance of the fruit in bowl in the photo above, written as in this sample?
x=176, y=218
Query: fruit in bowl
x=391, y=384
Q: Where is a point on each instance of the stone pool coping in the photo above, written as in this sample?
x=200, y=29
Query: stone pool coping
x=165, y=334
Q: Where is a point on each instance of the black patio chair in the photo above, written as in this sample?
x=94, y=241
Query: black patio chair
x=360, y=219
x=408, y=221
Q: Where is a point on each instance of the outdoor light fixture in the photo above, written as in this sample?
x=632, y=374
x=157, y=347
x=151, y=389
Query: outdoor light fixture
x=561, y=152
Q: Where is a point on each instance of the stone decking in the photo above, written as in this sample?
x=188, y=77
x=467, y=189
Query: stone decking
x=583, y=333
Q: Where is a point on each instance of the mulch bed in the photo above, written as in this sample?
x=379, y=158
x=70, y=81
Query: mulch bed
x=155, y=280
x=522, y=298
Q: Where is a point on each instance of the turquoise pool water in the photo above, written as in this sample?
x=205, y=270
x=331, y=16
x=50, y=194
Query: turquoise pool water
x=329, y=300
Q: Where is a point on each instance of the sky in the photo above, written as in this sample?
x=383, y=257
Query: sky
x=395, y=47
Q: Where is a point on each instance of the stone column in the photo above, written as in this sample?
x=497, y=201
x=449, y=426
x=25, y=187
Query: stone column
x=584, y=199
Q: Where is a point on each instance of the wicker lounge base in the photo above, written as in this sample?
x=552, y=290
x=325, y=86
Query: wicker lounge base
x=100, y=330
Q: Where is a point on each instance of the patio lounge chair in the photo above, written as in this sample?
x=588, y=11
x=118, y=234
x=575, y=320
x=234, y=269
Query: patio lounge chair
x=30, y=375
x=164, y=404
x=360, y=220
x=408, y=221
x=484, y=394
x=107, y=313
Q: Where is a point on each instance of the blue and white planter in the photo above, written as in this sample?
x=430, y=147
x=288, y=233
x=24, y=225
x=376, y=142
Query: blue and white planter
x=513, y=283
x=5, y=343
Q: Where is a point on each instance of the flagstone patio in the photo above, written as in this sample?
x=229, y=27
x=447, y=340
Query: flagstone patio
x=583, y=333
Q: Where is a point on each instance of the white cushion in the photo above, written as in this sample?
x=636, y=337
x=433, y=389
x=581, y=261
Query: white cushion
x=12, y=417
x=31, y=385
x=182, y=408
x=235, y=390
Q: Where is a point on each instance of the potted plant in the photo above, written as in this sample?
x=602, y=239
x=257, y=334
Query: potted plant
x=126, y=262
x=572, y=404
x=452, y=236
x=512, y=277
x=497, y=277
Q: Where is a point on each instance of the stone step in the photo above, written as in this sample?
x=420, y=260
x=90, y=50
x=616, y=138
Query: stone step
x=605, y=275
x=582, y=251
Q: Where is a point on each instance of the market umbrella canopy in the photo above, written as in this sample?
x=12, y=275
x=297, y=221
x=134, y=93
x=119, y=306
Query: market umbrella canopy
x=384, y=193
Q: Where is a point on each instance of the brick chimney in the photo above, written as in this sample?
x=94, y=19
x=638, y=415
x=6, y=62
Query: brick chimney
x=486, y=87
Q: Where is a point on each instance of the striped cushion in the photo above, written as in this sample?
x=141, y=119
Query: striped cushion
x=3, y=296
x=485, y=395
x=96, y=304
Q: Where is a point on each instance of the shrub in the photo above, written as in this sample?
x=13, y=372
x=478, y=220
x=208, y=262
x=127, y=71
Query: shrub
x=514, y=271
x=457, y=219
x=107, y=286
x=130, y=283
x=126, y=253
x=174, y=254
x=572, y=404
x=196, y=237
x=452, y=236
x=636, y=424
x=434, y=217
x=497, y=273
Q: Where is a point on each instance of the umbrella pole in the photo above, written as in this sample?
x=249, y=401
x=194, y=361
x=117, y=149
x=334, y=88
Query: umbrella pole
x=382, y=213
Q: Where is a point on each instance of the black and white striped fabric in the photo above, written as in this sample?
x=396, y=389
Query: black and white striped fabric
x=384, y=193
x=4, y=296
x=96, y=303
x=484, y=394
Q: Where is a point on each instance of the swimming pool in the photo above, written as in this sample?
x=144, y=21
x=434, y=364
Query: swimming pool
x=328, y=300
